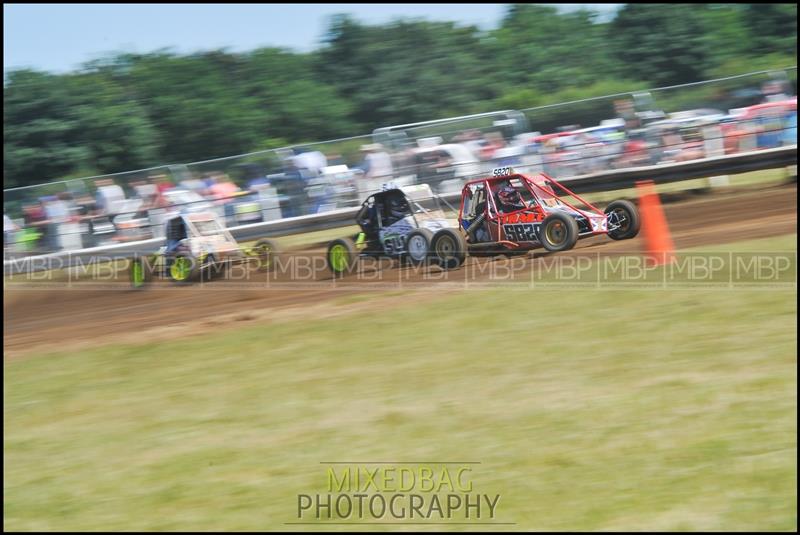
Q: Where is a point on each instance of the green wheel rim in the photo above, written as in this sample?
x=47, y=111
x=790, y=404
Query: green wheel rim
x=181, y=268
x=338, y=257
x=137, y=274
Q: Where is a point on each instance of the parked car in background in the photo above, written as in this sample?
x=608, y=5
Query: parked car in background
x=761, y=126
x=770, y=120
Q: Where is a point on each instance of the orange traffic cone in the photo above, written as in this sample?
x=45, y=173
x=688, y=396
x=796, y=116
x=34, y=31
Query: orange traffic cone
x=658, y=241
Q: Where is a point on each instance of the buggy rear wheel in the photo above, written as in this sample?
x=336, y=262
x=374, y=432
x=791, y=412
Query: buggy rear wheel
x=184, y=268
x=449, y=248
x=267, y=253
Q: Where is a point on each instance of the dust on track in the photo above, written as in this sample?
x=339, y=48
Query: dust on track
x=85, y=315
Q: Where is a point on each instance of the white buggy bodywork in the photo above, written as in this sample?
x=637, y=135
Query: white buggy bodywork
x=426, y=213
x=203, y=236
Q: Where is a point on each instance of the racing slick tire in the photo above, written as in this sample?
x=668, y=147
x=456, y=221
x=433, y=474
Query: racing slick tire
x=267, y=253
x=140, y=273
x=184, y=268
x=418, y=246
x=559, y=232
x=449, y=248
x=631, y=222
x=342, y=256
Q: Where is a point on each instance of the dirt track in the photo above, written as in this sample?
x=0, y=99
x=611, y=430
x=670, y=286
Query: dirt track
x=36, y=320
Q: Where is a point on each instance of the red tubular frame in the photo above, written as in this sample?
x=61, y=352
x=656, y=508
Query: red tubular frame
x=530, y=184
x=569, y=192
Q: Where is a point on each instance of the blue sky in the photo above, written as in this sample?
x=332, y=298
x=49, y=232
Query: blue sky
x=59, y=37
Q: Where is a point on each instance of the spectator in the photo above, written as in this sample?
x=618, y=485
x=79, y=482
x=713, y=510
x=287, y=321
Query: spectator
x=223, y=189
x=377, y=163
x=108, y=195
x=309, y=161
x=163, y=183
x=774, y=91
x=258, y=183
x=9, y=228
x=148, y=192
x=474, y=141
x=294, y=200
x=494, y=141
x=34, y=215
x=194, y=184
x=57, y=213
x=672, y=144
x=56, y=208
x=634, y=151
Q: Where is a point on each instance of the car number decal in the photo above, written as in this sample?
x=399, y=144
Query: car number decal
x=394, y=244
x=522, y=232
x=502, y=171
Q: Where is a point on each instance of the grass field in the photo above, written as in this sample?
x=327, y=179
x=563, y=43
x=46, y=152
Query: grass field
x=587, y=409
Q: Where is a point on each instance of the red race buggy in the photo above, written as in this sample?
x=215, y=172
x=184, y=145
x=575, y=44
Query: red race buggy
x=511, y=212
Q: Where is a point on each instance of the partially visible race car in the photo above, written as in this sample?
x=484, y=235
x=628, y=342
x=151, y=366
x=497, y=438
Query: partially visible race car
x=405, y=223
x=512, y=212
x=197, y=246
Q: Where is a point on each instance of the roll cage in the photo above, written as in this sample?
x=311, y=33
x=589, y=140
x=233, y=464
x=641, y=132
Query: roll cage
x=375, y=212
x=187, y=226
x=536, y=194
x=539, y=192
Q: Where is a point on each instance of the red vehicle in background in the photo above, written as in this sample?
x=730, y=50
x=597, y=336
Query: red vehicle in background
x=758, y=127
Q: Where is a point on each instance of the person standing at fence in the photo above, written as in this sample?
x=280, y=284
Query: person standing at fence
x=291, y=187
x=309, y=162
x=56, y=209
x=163, y=183
x=147, y=191
x=9, y=228
x=34, y=225
x=108, y=195
x=377, y=163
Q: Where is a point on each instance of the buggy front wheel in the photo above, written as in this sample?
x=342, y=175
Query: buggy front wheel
x=623, y=220
x=418, y=246
x=342, y=256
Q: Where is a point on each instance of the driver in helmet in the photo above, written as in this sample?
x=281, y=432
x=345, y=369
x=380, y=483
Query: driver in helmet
x=398, y=209
x=509, y=199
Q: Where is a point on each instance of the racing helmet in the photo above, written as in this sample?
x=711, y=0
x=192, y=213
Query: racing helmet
x=398, y=204
x=508, y=195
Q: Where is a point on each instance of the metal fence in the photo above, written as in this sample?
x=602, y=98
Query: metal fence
x=656, y=127
x=604, y=181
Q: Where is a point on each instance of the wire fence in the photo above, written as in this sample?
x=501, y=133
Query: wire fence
x=663, y=125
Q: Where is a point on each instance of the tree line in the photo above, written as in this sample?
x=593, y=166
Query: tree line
x=131, y=111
